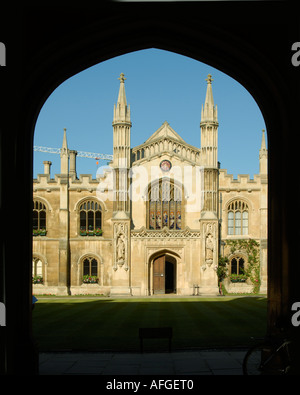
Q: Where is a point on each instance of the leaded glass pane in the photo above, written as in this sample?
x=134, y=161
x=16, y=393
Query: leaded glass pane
x=172, y=215
x=178, y=216
x=233, y=266
x=98, y=219
x=39, y=268
x=245, y=222
x=158, y=219
x=82, y=220
x=94, y=267
x=152, y=215
x=35, y=220
x=165, y=217
x=91, y=220
x=230, y=222
x=238, y=223
x=241, y=266
x=86, y=267
x=42, y=219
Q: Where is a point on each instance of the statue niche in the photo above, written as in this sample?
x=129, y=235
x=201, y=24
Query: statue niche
x=209, y=249
x=120, y=246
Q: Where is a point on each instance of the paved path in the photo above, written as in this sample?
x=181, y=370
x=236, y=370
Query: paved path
x=211, y=362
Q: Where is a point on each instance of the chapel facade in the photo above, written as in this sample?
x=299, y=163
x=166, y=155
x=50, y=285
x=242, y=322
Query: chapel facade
x=155, y=222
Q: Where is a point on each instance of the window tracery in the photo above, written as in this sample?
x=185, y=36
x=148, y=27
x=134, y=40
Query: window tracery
x=165, y=205
x=90, y=216
x=38, y=217
x=237, y=216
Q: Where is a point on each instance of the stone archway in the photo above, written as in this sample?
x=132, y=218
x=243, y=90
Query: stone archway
x=256, y=55
x=163, y=272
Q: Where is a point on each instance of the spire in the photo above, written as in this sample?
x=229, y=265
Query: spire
x=209, y=129
x=121, y=110
x=209, y=111
x=64, y=155
x=263, y=147
x=122, y=95
x=121, y=150
x=263, y=155
x=64, y=149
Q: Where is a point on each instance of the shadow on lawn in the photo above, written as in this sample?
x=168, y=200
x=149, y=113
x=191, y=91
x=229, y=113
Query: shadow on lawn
x=96, y=325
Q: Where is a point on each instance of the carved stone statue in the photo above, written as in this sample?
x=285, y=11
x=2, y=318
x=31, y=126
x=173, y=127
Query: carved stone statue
x=209, y=249
x=120, y=249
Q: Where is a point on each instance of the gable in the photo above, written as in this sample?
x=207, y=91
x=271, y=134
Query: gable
x=166, y=141
x=164, y=131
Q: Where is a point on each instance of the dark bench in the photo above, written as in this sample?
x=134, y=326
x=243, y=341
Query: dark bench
x=155, y=333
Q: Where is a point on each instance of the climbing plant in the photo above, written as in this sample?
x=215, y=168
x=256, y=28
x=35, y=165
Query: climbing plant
x=251, y=248
x=222, y=269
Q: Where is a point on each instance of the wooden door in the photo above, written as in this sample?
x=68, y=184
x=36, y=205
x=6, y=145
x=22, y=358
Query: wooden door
x=159, y=275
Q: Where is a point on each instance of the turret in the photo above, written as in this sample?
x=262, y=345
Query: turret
x=121, y=128
x=64, y=155
x=209, y=222
x=209, y=129
x=121, y=154
x=209, y=150
x=263, y=156
x=121, y=202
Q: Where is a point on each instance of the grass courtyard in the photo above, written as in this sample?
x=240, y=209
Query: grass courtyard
x=108, y=324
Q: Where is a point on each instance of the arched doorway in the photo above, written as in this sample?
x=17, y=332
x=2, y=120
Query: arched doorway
x=164, y=271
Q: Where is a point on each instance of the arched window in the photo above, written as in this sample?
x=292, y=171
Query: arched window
x=39, y=218
x=237, y=265
x=90, y=269
x=90, y=217
x=237, y=269
x=237, y=217
x=37, y=270
x=164, y=199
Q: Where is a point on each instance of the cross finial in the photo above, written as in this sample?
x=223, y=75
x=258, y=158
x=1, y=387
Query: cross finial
x=122, y=77
x=209, y=79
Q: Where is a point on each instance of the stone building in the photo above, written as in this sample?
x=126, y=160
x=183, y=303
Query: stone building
x=156, y=220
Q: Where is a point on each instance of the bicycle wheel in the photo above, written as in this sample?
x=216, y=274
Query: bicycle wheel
x=252, y=360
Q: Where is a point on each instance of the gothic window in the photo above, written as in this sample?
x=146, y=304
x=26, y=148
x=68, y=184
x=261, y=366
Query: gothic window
x=237, y=265
x=38, y=216
x=164, y=201
x=90, y=269
x=90, y=216
x=237, y=217
x=37, y=270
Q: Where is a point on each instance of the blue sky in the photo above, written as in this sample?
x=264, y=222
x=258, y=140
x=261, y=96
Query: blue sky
x=160, y=86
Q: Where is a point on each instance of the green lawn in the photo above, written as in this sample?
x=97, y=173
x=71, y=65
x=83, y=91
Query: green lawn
x=112, y=324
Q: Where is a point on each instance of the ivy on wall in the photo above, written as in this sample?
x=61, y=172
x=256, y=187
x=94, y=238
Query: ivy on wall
x=249, y=247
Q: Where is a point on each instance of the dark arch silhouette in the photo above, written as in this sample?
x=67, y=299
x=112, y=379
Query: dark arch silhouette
x=250, y=42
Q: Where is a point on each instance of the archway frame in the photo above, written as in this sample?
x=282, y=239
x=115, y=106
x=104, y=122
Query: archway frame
x=174, y=256
x=245, y=50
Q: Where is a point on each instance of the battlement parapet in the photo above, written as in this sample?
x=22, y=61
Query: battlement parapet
x=226, y=180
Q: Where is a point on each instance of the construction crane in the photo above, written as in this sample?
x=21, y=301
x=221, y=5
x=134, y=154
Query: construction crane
x=83, y=154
